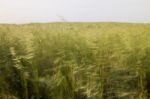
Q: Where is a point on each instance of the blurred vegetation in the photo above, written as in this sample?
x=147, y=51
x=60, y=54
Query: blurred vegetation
x=75, y=61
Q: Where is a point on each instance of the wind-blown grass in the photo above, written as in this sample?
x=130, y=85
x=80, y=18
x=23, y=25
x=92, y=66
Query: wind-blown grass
x=75, y=61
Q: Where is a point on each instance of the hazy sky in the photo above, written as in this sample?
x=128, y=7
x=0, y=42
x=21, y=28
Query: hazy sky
x=18, y=11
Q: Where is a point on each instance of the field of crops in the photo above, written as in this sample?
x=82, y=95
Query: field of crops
x=75, y=61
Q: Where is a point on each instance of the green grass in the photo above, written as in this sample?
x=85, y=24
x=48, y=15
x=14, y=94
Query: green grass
x=75, y=61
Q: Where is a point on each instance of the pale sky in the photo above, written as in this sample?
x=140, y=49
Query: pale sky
x=25, y=11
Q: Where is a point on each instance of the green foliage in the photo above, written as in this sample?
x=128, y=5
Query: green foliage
x=75, y=61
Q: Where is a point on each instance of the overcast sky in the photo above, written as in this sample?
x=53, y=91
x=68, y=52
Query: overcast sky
x=22, y=11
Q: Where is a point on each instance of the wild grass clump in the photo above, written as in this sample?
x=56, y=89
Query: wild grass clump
x=75, y=61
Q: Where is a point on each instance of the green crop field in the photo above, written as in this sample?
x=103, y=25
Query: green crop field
x=75, y=61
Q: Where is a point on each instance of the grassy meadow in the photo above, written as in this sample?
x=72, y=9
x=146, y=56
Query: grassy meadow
x=75, y=61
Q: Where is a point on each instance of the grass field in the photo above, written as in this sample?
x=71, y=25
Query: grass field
x=75, y=61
